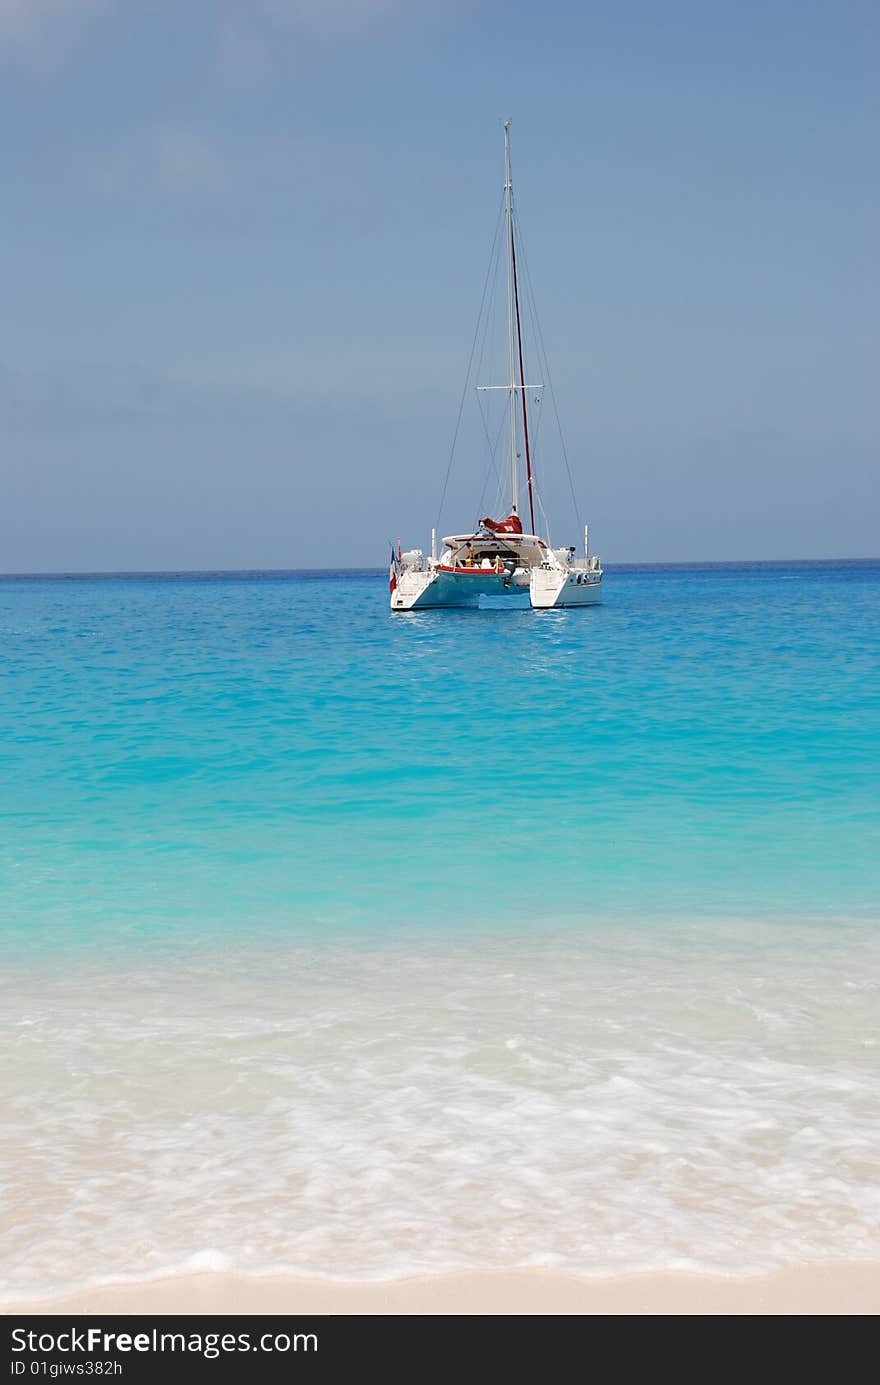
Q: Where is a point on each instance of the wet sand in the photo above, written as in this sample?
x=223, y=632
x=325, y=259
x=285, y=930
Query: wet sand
x=837, y=1288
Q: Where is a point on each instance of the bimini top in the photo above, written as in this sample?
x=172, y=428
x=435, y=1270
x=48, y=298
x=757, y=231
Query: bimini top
x=505, y=540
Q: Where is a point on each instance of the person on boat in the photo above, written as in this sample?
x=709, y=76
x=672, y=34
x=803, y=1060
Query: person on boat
x=499, y=565
x=511, y=525
x=469, y=556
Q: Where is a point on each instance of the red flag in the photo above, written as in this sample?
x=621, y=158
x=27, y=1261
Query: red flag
x=392, y=577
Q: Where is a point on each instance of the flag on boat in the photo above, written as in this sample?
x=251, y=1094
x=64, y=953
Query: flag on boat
x=392, y=572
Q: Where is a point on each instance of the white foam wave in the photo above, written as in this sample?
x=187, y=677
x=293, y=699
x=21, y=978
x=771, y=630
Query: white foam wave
x=702, y=1098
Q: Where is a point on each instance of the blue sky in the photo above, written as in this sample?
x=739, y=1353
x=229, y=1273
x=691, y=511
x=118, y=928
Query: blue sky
x=244, y=246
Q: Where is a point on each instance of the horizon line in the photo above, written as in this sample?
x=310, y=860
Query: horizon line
x=247, y=571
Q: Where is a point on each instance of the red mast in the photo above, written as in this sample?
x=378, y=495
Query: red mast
x=522, y=380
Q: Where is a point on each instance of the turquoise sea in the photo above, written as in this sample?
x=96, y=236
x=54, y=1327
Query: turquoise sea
x=359, y=944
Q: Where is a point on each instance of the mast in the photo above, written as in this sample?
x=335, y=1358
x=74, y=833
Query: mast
x=511, y=323
x=522, y=385
x=514, y=347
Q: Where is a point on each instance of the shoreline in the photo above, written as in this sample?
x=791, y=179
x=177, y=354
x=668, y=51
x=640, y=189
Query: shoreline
x=819, y=1288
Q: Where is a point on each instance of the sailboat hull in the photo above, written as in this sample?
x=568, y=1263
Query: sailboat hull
x=437, y=588
x=557, y=588
x=543, y=590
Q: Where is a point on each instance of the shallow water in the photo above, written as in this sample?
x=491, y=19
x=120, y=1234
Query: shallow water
x=359, y=945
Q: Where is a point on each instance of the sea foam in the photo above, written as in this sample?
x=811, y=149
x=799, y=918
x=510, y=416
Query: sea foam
x=705, y=1096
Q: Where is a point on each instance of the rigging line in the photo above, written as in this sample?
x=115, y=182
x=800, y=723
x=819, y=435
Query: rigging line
x=546, y=520
x=549, y=378
x=537, y=454
x=493, y=290
x=522, y=377
x=539, y=471
x=470, y=364
x=489, y=469
x=545, y=365
x=493, y=446
x=493, y=449
x=536, y=415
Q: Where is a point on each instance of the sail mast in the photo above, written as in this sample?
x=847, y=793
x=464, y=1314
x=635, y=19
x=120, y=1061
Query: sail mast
x=511, y=324
x=522, y=384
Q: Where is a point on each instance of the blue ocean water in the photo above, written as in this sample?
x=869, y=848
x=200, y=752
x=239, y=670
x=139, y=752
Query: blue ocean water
x=361, y=945
x=187, y=754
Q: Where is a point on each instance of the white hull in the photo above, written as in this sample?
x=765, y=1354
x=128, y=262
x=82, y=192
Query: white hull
x=544, y=589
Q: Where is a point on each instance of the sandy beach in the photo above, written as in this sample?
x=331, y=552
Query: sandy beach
x=837, y=1288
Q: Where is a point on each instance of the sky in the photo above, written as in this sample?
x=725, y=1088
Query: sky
x=244, y=244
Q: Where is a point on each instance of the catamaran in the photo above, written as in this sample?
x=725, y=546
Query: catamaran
x=498, y=558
